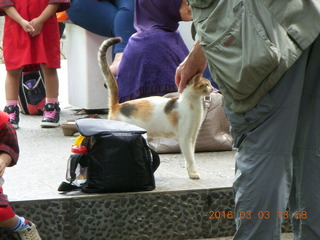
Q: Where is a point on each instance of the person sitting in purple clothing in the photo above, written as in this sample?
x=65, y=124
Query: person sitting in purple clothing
x=152, y=54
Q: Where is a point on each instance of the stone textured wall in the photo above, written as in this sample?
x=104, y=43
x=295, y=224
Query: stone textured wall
x=135, y=216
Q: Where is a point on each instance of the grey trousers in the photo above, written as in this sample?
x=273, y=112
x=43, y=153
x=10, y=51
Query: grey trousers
x=278, y=156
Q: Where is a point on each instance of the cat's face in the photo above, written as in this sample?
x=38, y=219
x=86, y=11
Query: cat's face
x=200, y=85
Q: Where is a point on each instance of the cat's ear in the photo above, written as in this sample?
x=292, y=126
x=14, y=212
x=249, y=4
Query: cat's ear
x=195, y=78
x=198, y=76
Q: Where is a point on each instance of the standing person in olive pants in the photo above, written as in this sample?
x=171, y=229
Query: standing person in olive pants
x=266, y=64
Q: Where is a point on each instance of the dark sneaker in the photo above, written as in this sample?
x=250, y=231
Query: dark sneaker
x=51, y=115
x=13, y=112
x=29, y=233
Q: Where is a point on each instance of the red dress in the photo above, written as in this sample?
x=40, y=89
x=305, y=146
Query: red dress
x=19, y=49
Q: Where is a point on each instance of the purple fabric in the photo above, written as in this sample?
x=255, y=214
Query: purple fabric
x=151, y=14
x=149, y=64
x=152, y=55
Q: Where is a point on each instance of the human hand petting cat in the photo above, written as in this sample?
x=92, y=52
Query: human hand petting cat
x=193, y=64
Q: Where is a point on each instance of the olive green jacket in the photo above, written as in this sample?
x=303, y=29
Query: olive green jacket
x=250, y=44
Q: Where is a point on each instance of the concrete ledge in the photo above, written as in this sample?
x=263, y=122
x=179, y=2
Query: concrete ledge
x=145, y=215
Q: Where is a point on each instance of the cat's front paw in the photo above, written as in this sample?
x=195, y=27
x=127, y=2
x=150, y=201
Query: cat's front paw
x=194, y=175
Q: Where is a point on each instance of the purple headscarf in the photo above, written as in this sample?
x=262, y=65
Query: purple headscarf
x=161, y=14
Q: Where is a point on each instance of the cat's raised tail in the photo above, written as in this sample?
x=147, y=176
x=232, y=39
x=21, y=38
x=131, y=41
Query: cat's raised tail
x=111, y=82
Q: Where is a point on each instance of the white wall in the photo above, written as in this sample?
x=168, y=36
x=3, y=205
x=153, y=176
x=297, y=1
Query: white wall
x=185, y=30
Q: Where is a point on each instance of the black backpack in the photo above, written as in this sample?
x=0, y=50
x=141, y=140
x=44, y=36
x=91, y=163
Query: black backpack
x=118, y=159
x=32, y=92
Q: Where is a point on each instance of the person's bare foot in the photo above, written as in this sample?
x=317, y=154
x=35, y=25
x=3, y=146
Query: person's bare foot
x=115, y=65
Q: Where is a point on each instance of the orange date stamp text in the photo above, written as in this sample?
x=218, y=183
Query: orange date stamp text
x=257, y=215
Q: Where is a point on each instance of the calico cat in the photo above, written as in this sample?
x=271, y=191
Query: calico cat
x=178, y=118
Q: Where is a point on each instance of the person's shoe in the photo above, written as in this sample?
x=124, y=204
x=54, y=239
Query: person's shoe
x=13, y=112
x=51, y=115
x=69, y=128
x=29, y=233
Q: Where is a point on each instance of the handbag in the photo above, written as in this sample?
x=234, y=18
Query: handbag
x=118, y=159
x=214, y=134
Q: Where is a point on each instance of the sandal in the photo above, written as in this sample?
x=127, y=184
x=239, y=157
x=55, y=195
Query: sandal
x=69, y=128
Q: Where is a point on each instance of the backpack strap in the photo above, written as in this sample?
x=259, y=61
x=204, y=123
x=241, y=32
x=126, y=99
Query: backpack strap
x=75, y=159
x=69, y=186
x=155, y=159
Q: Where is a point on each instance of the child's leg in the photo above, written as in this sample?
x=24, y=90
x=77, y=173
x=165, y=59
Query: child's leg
x=51, y=114
x=12, y=84
x=21, y=228
x=8, y=217
x=9, y=223
x=51, y=81
x=12, y=93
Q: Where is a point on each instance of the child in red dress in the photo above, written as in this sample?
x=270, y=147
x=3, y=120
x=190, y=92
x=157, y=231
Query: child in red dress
x=31, y=36
x=9, y=152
